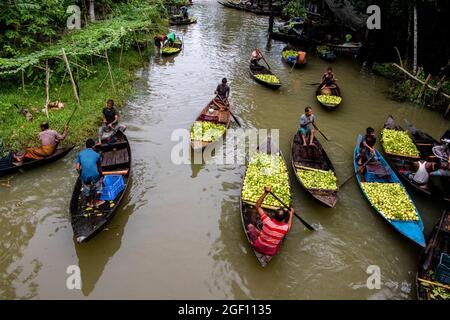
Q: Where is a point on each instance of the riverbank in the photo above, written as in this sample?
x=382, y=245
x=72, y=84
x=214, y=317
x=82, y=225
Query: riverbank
x=119, y=45
x=405, y=89
x=17, y=132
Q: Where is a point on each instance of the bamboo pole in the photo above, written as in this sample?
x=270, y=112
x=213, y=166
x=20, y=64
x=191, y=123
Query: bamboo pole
x=139, y=48
x=47, y=81
x=23, y=81
x=110, y=71
x=447, y=111
x=415, y=39
x=434, y=283
x=121, y=52
x=74, y=86
x=420, y=81
x=424, y=86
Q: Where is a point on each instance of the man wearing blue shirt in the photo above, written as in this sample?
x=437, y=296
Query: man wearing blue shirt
x=89, y=166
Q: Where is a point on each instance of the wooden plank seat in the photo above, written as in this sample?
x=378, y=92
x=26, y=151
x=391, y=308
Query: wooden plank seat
x=115, y=157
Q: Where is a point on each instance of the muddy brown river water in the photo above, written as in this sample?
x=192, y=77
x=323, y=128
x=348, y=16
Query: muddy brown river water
x=179, y=233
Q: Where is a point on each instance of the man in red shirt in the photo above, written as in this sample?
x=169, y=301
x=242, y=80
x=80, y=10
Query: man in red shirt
x=267, y=240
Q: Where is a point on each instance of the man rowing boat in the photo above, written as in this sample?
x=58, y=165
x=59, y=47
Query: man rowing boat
x=328, y=79
x=255, y=57
x=267, y=240
x=49, y=142
x=366, y=151
x=308, y=126
x=223, y=91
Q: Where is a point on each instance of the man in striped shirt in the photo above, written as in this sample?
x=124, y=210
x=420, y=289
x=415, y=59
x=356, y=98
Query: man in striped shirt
x=274, y=229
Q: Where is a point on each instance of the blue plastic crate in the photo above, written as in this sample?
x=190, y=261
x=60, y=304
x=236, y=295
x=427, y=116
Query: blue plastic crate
x=443, y=269
x=112, y=186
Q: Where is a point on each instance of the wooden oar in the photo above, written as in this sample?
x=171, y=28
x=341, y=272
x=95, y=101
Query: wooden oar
x=232, y=114
x=314, y=84
x=298, y=217
x=109, y=173
x=265, y=60
x=434, y=283
x=71, y=116
x=432, y=245
x=322, y=134
x=356, y=172
x=293, y=66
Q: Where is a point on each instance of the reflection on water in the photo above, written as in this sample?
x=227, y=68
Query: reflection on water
x=179, y=232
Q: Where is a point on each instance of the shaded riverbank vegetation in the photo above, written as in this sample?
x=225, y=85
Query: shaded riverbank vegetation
x=413, y=34
x=115, y=39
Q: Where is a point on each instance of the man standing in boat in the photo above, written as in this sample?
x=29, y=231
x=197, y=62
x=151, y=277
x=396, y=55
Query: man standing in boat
x=110, y=122
x=223, y=91
x=366, y=151
x=88, y=166
x=308, y=126
x=267, y=240
x=256, y=56
x=184, y=12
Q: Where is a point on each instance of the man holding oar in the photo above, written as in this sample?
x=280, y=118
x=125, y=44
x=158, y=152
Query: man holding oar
x=255, y=57
x=223, y=91
x=308, y=126
x=49, y=142
x=366, y=150
x=274, y=229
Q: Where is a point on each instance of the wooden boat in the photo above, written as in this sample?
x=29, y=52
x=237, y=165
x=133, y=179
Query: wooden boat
x=249, y=210
x=168, y=51
x=412, y=230
x=314, y=158
x=256, y=70
x=8, y=167
x=423, y=141
x=291, y=38
x=431, y=272
x=348, y=48
x=325, y=53
x=256, y=10
x=403, y=165
x=86, y=223
x=332, y=92
x=177, y=20
x=439, y=186
x=215, y=112
x=285, y=60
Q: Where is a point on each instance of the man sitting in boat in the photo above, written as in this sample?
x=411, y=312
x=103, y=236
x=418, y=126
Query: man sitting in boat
x=274, y=229
x=110, y=122
x=422, y=175
x=49, y=142
x=223, y=91
x=328, y=79
x=307, y=126
x=256, y=56
x=184, y=12
x=442, y=152
x=366, y=150
x=88, y=166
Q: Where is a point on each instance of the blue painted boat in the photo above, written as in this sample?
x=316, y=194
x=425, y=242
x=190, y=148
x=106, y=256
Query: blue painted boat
x=413, y=230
